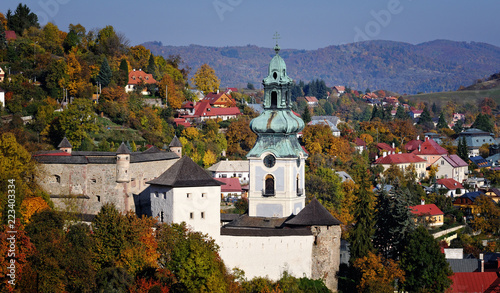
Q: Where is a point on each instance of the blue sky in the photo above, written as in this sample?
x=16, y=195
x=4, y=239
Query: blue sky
x=301, y=24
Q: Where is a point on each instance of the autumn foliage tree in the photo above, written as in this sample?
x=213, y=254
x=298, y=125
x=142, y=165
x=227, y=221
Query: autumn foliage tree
x=378, y=274
x=170, y=91
x=205, y=79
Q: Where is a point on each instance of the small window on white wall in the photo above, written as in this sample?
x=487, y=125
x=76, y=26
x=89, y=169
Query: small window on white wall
x=156, y=193
x=188, y=195
x=204, y=195
x=191, y=215
x=203, y=215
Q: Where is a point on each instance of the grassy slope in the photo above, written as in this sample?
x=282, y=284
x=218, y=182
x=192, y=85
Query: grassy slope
x=459, y=97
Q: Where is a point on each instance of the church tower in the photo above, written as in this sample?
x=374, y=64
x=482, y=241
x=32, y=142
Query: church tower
x=277, y=159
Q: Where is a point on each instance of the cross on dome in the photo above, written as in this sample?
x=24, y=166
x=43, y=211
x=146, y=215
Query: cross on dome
x=276, y=37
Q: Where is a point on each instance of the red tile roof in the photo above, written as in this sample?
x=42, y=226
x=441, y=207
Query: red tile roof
x=417, y=111
x=430, y=147
x=426, y=209
x=399, y=159
x=311, y=99
x=339, y=88
x=138, y=76
x=385, y=147
x=359, y=142
x=221, y=99
x=487, y=282
x=10, y=35
x=412, y=145
x=53, y=153
x=203, y=109
x=182, y=121
x=450, y=183
x=231, y=184
x=455, y=161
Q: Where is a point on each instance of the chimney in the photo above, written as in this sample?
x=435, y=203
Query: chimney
x=422, y=201
x=384, y=154
x=419, y=148
x=481, y=257
x=393, y=145
x=376, y=157
x=134, y=69
x=217, y=91
x=418, y=137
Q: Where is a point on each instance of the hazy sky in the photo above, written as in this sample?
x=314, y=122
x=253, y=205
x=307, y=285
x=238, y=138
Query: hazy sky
x=301, y=24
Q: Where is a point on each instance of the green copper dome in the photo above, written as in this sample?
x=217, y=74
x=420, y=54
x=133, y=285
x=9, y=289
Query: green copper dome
x=277, y=126
x=276, y=72
x=283, y=121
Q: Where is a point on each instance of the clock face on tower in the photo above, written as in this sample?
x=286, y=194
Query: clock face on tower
x=269, y=161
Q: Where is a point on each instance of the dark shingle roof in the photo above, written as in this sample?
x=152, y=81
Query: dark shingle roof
x=175, y=142
x=123, y=149
x=314, y=214
x=151, y=150
x=64, y=143
x=463, y=265
x=185, y=173
x=264, y=232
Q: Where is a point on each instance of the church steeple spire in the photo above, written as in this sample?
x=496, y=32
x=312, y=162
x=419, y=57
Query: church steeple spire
x=277, y=159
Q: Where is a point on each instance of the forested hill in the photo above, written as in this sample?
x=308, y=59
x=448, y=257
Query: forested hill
x=439, y=65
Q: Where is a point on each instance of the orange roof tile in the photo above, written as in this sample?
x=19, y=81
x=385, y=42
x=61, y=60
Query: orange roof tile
x=138, y=76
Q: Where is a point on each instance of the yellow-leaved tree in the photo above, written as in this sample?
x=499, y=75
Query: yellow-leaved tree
x=205, y=79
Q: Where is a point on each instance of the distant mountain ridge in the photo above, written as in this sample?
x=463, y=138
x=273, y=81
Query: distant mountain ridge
x=439, y=65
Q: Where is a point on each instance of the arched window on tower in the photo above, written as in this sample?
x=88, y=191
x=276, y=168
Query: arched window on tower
x=300, y=191
x=269, y=186
x=274, y=99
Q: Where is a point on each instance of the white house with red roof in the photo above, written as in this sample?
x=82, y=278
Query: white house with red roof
x=429, y=213
x=451, y=166
x=430, y=151
x=204, y=111
x=414, y=113
x=338, y=90
x=311, y=101
x=403, y=161
x=230, y=189
x=139, y=78
x=450, y=184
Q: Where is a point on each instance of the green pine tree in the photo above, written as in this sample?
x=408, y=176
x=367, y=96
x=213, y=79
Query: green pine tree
x=483, y=122
x=361, y=236
x=462, y=149
x=425, y=266
x=306, y=115
x=3, y=40
x=123, y=73
x=442, y=122
x=151, y=69
x=393, y=222
x=105, y=74
x=401, y=114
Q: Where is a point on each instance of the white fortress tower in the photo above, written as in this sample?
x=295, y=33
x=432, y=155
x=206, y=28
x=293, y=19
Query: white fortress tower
x=122, y=164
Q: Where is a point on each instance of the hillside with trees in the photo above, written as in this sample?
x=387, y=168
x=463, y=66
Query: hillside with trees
x=439, y=65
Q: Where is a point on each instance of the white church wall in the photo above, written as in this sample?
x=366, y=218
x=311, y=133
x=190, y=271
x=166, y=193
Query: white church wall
x=268, y=256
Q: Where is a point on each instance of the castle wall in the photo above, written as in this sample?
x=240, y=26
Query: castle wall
x=98, y=183
x=268, y=256
x=326, y=255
